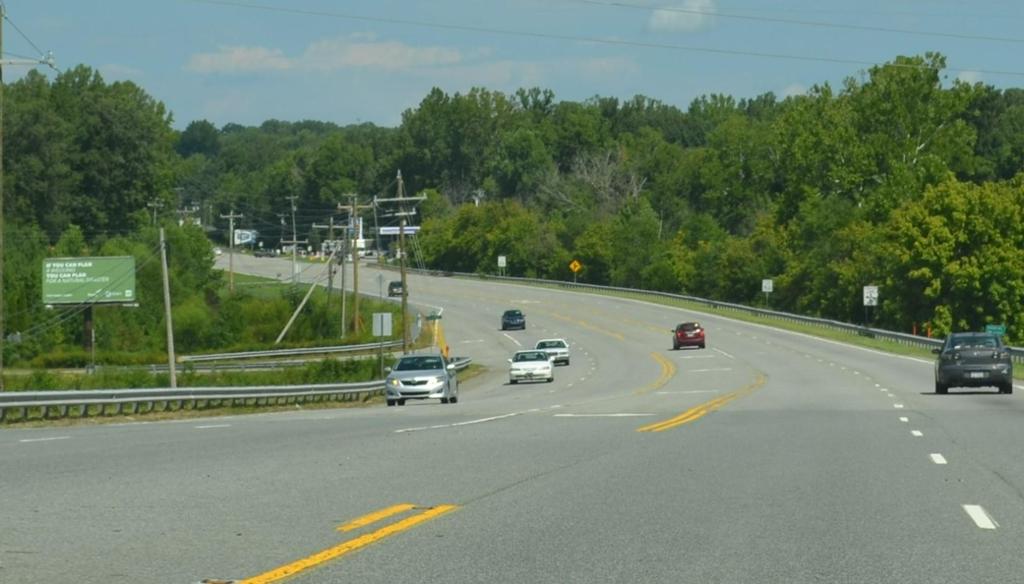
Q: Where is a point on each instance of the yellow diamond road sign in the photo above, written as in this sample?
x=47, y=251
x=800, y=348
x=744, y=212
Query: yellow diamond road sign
x=575, y=266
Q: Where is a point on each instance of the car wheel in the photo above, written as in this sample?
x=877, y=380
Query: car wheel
x=702, y=345
x=1007, y=387
x=941, y=388
x=550, y=379
x=444, y=400
x=675, y=347
x=513, y=381
x=400, y=402
x=453, y=399
x=391, y=402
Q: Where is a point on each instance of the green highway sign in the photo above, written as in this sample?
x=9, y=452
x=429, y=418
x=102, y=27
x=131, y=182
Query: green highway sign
x=996, y=329
x=95, y=280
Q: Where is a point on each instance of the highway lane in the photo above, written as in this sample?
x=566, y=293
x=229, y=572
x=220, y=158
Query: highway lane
x=810, y=475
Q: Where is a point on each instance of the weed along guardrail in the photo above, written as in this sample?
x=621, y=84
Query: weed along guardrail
x=32, y=405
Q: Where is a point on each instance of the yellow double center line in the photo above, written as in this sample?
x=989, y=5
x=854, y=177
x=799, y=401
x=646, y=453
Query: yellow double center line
x=352, y=545
x=668, y=369
x=699, y=411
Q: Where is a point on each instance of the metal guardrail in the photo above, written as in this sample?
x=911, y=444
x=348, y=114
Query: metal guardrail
x=1016, y=353
x=289, y=352
x=59, y=404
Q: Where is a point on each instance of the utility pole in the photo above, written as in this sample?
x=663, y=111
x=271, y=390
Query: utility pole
x=231, y=247
x=295, y=243
x=167, y=313
x=353, y=217
x=330, y=263
x=46, y=60
x=155, y=204
x=402, y=200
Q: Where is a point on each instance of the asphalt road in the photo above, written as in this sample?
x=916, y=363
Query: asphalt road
x=767, y=457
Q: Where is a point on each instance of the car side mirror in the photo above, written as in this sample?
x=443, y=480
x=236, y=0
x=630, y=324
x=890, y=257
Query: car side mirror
x=936, y=351
x=450, y=367
x=387, y=370
x=510, y=360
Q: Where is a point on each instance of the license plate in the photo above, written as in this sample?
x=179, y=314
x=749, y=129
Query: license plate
x=976, y=374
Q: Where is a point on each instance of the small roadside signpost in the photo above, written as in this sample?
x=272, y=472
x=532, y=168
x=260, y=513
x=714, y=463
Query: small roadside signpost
x=870, y=299
x=381, y=330
x=767, y=286
x=575, y=266
x=502, y=263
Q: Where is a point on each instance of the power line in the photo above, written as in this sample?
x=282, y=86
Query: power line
x=15, y=27
x=813, y=23
x=589, y=39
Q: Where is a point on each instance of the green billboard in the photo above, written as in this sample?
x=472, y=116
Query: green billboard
x=95, y=280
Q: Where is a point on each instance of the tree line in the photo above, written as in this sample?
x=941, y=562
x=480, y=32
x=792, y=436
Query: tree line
x=900, y=178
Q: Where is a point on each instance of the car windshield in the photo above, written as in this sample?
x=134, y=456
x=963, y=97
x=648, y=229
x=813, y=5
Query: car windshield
x=419, y=363
x=688, y=326
x=550, y=345
x=513, y=313
x=530, y=356
x=973, y=342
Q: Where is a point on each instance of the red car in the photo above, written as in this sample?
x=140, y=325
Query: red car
x=688, y=334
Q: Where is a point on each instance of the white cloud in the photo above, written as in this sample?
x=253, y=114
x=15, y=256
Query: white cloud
x=688, y=16
x=794, y=89
x=354, y=52
x=392, y=55
x=116, y=71
x=608, y=67
x=970, y=77
x=239, y=60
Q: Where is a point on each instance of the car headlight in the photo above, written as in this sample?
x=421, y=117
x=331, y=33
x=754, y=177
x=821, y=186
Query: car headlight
x=393, y=382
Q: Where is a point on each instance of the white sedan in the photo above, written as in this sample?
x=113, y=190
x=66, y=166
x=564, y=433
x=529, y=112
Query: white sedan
x=558, y=349
x=531, y=365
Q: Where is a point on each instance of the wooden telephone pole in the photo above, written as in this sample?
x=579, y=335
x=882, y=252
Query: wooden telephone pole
x=353, y=209
x=231, y=247
x=402, y=201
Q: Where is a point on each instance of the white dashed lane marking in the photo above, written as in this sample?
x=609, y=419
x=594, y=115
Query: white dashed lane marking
x=50, y=439
x=898, y=406
x=904, y=419
x=916, y=433
x=938, y=458
x=980, y=517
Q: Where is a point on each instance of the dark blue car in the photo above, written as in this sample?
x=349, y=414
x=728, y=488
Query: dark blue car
x=513, y=319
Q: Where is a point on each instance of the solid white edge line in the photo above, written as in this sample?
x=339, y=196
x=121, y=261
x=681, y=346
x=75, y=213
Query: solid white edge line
x=513, y=339
x=208, y=426
x=709, y=370
x=938, y=458
x=50, y=439
x=980, y=517
x=916, y=433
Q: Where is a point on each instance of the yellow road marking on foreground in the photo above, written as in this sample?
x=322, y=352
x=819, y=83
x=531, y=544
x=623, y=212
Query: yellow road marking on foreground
x=348, y=546
x=668, y=369
x=699, y=411
x=376, y=516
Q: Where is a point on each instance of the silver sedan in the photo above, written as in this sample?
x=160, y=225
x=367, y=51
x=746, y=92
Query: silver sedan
x=421, y=377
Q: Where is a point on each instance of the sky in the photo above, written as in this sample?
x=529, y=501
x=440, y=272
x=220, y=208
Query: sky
x=245, y=62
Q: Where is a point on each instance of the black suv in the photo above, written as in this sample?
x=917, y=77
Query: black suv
x=973, y=360
x=513, y=319
x=395, y=288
